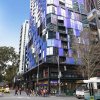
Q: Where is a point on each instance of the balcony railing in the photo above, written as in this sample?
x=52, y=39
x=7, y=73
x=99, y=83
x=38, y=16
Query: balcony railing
x=64, y=46
x=62, y=31
x=64, y=39
x=60, y=24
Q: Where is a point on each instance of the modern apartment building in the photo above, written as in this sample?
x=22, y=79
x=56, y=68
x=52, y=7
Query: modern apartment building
x=92, y=4
x=22, y=45
x=49, y=51
x=94, y=22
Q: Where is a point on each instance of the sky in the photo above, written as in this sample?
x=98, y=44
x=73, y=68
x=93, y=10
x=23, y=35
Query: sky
x=13, y=13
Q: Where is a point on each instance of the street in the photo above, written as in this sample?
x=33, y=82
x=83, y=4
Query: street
x=7, y=96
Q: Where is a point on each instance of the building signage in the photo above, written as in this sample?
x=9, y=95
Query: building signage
x=53, y=82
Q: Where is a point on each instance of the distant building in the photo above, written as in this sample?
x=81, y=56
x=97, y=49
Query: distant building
x=92, y=4
x=22, y=45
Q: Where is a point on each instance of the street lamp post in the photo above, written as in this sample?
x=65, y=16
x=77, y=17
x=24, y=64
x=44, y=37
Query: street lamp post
x=38, y=74
x=59, y=75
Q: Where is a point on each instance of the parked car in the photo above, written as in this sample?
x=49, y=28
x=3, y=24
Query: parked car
x=2, y=90
x=6, y=90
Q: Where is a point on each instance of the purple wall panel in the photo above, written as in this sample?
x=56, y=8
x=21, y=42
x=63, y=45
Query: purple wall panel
x=77, y=32
x=58, y=10
x=59, y=43
x=57, y=35
x=68, y=23
x=66, y=12
x=70, y=53
x=69, y=60
x=81, y=1
x=65, y=22
x=44, y=53
x=61, y=52
x=76, y=25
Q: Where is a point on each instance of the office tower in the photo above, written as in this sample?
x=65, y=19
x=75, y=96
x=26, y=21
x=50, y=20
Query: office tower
x=92, y=4
x=22, y=45
x=49, y=51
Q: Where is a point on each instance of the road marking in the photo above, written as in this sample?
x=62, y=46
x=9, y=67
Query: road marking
x=28, y=97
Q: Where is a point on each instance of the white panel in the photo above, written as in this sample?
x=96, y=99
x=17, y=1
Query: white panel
x=60, y=18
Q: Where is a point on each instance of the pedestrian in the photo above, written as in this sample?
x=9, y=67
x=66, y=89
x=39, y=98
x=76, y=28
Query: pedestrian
x=36, y=93
x=20, y=90
x=39, y=92
x=16, y=92
x=44, y=92
x=27, y=92
x=30, y=92
x=51, y=92
x=33, y=92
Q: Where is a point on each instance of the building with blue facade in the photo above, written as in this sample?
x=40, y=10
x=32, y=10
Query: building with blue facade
x=51, y=27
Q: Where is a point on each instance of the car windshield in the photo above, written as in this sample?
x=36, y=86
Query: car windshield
x=6, y=88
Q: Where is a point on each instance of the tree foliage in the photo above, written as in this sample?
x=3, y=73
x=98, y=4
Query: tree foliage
x=87, y=50
x=8, y=54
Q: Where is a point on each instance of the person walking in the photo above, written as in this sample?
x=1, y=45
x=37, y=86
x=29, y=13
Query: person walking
x=33, y=92
x=44, y=92
x=27, y=91
x=16, y=92
x=20, y=90
x=30, y=92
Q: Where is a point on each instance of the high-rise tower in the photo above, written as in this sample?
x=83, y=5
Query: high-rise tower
x=51, y=27
x=22, y=45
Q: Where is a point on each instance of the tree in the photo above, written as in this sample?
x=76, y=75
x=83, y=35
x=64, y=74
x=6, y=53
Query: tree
x=86, y=49
x=8, y=55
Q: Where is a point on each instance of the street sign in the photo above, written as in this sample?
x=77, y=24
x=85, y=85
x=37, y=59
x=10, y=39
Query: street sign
x=58, y=76
x=60, y=73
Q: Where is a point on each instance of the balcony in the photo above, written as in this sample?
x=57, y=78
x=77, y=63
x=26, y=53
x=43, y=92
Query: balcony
x=62, y=31
x=62, y=62
x=60, y=24
x=63, y=38
x=64, y=46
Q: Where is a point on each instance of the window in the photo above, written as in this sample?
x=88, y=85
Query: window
x=55, y=51
x=76, y=6
x=69, y=4
x=50, y=51
x=63, y=12
x=82, y=8
x=50, y=42
x=70, y=30
x=72, y=23
x=61, y=4
x=84, y=19
x=51, y=35
x=70, y=14
x=79, y=24
x=98, y=85
x=78, y=17
x=51, y=9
